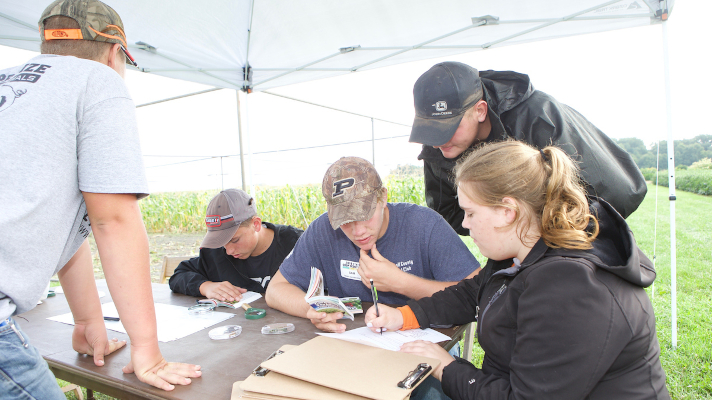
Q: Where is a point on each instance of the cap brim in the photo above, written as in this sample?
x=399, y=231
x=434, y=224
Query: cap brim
x=354, y=210
x=434, y=132
x=217, y=239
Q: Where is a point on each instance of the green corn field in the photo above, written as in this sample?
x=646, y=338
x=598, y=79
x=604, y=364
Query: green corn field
x=182, y=212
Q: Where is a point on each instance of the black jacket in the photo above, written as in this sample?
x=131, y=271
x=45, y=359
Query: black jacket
x=215, y=265
x=518, y=111
x=565, y=324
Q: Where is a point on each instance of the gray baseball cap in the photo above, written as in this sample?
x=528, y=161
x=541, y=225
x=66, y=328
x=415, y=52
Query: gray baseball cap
x=350, y=188
x=441, y=96
x=226, y=211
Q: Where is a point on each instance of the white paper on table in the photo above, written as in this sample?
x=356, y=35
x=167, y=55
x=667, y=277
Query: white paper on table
x=248, y=297
x=389, y=340
x=173, y=322
x=60, y=290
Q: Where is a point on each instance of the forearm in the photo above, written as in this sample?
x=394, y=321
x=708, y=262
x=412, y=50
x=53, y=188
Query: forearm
x=77, y=279
x=123, y=248
x=285, y=297
x=415, y=287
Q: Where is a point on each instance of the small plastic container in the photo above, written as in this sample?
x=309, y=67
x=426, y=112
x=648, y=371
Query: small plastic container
x=201, y=309
x=225, y=332
x=277, y=329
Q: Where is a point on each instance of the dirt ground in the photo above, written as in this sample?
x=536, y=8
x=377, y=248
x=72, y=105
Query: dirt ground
x=159, y=245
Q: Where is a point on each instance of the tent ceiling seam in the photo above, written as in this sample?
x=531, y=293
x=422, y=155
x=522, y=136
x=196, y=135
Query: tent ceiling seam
x=27, y=39
x=553, y=22
x=17, y=21
x=186, y=65
x=297, y=69
x=481, y=23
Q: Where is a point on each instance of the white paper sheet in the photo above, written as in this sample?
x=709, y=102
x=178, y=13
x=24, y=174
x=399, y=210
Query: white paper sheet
x=174, y=322
x=389, y=340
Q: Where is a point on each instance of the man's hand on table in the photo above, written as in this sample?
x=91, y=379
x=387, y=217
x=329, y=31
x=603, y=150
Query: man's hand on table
x=151, y=368
x=223, y=291
x=325, y=321
x=89, y=337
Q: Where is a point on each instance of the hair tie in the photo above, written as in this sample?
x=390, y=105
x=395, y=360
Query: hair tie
x=544, y=156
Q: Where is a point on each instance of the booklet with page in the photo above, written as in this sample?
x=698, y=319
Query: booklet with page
x=330, y=304
x=247, y=297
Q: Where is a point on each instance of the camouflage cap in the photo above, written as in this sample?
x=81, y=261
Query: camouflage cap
x=351, y=188
x=226, y=211
x=97, y=21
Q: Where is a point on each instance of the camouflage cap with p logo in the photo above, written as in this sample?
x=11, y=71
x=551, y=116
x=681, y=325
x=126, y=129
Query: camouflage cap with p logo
x=350, y=188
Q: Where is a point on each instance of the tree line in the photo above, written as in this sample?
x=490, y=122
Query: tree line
x=687, y=151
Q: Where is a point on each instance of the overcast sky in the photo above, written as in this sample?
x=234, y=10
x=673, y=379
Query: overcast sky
x=615, y=79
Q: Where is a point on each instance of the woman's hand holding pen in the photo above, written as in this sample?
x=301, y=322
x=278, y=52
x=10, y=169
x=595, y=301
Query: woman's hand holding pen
x=390, y=319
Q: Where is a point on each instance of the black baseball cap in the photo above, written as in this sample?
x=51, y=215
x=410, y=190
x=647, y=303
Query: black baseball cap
x=441, y=96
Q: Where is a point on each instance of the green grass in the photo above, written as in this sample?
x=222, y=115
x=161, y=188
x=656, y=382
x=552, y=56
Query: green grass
x=688, y=366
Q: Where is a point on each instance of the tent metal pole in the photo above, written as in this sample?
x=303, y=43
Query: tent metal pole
x=249, y=145
x=373, y=142
x=242, y=150
x=671, y=185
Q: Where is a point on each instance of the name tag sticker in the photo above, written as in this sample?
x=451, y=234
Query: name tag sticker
x=348, y=270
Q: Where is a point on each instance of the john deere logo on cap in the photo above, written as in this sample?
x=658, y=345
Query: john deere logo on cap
x=339, y=186
x=213, y=221
x=440, y=106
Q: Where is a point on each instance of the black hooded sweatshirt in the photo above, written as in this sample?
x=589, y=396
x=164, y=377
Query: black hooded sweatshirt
x=565, y=324
x=215, y=265
x=519, y=112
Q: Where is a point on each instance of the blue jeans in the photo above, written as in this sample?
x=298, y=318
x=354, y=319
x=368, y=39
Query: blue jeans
x=24, y=374
x=429, y=389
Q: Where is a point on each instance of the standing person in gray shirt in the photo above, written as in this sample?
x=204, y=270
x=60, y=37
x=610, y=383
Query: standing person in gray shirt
x=71, y=163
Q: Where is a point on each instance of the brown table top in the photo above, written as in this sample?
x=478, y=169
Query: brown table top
x=223, y=361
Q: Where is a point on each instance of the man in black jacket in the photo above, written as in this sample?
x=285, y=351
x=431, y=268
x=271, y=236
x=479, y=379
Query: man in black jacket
x=458, y=107
x=239, y=252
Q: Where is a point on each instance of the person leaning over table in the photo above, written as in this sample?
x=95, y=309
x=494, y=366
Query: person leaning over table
x=561, y=307
x=71, y=164
x=240, y=252
x=457, y=107
x=408, y=250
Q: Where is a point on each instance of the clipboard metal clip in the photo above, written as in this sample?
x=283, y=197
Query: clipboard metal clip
x=260, y=371
x=415, y=376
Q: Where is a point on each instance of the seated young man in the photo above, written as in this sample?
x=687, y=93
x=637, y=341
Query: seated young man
x=408, y=250
x=240, y=252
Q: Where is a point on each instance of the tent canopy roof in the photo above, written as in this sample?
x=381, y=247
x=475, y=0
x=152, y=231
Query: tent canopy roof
x=286, y=42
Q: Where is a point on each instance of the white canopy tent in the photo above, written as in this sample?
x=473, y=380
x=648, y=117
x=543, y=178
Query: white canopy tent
x=255, y=45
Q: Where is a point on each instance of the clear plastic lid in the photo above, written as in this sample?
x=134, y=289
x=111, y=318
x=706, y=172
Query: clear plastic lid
x=225, y=332
x=276, y=329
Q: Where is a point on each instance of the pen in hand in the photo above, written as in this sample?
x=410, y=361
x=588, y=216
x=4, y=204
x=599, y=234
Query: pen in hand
x=374, y=293
x=111, y=318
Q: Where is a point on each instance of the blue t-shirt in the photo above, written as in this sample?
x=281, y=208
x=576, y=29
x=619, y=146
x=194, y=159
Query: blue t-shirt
x=418, y=241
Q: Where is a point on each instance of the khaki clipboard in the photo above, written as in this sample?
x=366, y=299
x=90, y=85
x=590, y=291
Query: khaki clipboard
x=238, y=394
x=358, y=369
x=285, y=387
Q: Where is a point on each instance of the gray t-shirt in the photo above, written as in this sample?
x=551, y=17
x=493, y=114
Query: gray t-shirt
x=67, y=125
x=418, y=241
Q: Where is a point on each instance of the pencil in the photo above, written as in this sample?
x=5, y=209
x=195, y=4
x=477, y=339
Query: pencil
x=374, y=293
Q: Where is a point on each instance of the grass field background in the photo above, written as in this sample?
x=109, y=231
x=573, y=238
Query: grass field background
x=688, y=367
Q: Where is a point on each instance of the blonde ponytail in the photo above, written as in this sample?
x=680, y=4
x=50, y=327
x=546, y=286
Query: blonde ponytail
x=545, y=182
